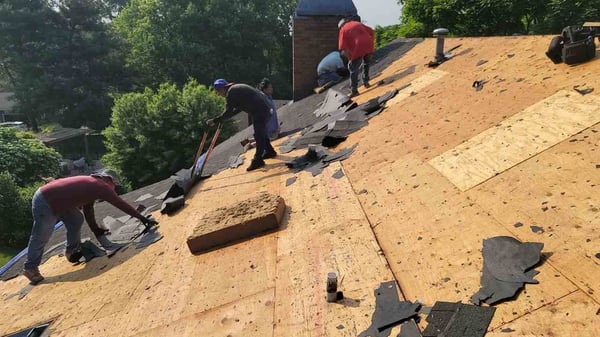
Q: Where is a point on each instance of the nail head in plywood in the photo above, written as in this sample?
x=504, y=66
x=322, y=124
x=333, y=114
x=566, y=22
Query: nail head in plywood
x=519, y=138
x=245, y=219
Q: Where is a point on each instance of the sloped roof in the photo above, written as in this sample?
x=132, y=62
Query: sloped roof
x=62, y=134
x=326, y=8
x=442, y=168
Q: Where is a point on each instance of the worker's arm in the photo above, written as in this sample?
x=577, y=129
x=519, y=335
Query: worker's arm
x=343, y=46
x=90, y=218
x=111, y=197
x=230, y=110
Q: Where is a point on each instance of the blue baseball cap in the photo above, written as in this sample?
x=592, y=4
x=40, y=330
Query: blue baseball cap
x=220, y=83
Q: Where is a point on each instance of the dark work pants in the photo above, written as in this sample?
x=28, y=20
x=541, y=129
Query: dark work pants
x=354, y=68
x=261, y=137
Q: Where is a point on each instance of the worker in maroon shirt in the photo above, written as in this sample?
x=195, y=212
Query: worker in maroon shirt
x=60, y=200
x=357, y=43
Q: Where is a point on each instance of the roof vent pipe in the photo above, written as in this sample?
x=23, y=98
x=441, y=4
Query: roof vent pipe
x=440, y=33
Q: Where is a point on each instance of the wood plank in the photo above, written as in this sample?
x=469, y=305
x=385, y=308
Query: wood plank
x=572, y=315
x=327, y=232
x=431, y=233
x=520, y=137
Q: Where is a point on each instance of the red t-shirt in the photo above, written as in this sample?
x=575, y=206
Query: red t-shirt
x=74, y=192
x=357, y=39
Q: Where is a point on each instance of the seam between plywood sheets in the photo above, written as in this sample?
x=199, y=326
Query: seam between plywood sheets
x=553, y=119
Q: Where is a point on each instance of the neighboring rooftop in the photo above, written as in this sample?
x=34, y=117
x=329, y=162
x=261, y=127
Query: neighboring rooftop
x=62, y=134
x=443, y=167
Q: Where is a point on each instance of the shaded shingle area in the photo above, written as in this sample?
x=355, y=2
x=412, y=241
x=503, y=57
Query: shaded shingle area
x=101, y=210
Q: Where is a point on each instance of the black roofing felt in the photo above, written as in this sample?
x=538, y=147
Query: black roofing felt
x=389, y=311
x=507, y=266
x=293, y=117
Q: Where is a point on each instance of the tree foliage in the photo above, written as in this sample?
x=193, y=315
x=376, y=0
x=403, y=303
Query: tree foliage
x=61, y=60
x=494, y=17
x=26, y=158
x=15, y=211
x=23, y=161
x=155, y=133
x=241, y=40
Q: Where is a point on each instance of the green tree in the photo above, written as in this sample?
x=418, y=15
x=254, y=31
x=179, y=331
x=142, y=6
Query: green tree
x=61, y=60
x=241, y=40
x=15, y=211
x=494, y=17
x=562, y=13
x=155, y=133
x=26, y=158
x=26, y=35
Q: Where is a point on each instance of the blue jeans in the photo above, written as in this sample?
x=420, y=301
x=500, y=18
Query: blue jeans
x=43, y=226
x=263, y=144
x=325, y=78
x=354, y=68
x=272, y=124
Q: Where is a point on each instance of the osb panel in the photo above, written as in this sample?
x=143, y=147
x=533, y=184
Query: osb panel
x=557, y=192
x=432, y=235
x=327, y=232
x=518, y=138
x=573, y=315
x=250, y=316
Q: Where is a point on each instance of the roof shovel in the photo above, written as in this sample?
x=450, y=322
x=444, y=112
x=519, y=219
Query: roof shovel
x=186, y=183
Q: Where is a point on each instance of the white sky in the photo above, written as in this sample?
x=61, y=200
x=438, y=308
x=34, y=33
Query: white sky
x=378, y=12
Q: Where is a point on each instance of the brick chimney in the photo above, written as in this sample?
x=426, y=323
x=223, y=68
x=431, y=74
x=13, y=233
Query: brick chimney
x=315, y=34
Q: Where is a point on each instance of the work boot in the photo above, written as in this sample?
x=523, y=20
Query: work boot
x=353, y=93
x=33, y=275
x=269, y=154
x=110, y=247
x=256, y=163
x=73, y=254
x=366, y=84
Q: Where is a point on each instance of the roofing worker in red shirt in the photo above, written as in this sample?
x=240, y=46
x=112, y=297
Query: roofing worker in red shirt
x=357, y=42
x=61, y=199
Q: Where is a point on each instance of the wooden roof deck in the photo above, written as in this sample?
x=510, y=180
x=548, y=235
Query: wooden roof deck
x=404, y=211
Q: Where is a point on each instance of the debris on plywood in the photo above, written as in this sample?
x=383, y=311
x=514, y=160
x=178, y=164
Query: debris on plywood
x=237, y=222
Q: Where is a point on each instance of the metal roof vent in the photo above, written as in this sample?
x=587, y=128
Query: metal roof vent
x=440, y=33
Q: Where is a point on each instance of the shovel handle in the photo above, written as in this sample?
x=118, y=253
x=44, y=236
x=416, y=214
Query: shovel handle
x=210, y=148
x=199, y=152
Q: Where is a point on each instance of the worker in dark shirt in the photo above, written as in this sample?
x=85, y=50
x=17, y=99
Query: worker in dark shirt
x=242, y=97
x=61, y=199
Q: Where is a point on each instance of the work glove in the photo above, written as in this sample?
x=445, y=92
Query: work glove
x=149, y=221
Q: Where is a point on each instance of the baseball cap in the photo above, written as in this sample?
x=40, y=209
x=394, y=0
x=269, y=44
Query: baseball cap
x=106, y=173
x=220, y=83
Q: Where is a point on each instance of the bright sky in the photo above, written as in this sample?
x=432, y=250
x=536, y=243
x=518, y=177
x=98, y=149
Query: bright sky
x=378, y=12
